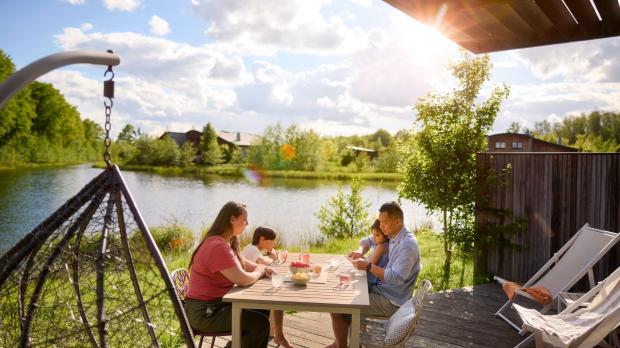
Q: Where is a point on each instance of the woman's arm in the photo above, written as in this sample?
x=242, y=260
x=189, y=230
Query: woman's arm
x=379, y=251
x=264, y=260
x=245, y=277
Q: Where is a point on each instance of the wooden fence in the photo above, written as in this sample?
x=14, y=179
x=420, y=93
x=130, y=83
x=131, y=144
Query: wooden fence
x=557, y=193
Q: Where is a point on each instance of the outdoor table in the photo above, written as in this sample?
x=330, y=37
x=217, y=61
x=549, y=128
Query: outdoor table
x=314, y=297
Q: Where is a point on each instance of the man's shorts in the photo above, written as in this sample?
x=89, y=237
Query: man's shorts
x=379, y=306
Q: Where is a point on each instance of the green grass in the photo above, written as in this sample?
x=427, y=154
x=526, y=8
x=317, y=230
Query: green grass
x=237, y=171
x=30, y=165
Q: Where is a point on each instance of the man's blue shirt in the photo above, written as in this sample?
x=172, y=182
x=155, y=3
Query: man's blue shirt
x=402, y=269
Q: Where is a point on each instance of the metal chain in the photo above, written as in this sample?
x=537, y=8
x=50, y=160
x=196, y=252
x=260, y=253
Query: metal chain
x=108, y=93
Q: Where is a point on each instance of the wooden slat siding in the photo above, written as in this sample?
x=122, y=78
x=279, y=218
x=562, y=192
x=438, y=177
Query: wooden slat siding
x=557, y=193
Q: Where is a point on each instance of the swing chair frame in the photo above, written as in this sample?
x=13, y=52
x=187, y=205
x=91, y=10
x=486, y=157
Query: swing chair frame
x=110, y=182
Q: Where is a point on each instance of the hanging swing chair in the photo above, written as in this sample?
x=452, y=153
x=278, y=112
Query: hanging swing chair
x=91, y=273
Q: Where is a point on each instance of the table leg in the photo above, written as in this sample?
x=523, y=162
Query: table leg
x=236, y=325
x=355, y=329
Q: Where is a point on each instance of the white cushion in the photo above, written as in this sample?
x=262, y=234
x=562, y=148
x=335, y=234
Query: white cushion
x=399, y=323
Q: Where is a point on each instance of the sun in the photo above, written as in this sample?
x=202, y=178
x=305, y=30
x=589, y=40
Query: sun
x=421, y=41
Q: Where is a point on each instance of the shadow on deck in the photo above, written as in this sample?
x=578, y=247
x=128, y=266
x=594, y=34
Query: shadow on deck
x=450, y=319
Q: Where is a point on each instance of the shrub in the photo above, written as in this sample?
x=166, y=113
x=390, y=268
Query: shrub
x=170, y=238
x=345, y=215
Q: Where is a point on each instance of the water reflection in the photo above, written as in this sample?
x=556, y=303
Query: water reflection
x=27, y=197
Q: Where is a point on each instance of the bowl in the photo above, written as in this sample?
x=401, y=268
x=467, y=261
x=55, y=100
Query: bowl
x=297, y=267
x=300, y=278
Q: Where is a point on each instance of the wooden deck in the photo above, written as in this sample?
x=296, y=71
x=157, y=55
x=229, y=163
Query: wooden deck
x=457, y=318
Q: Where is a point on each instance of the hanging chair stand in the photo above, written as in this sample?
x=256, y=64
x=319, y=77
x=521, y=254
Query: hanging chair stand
x=91, y=273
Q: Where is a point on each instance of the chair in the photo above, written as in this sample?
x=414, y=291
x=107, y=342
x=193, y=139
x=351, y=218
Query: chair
x=571, y=263
x=404, y=320
x=577, y=326
x=180, y=279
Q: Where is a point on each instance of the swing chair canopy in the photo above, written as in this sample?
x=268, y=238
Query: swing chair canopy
x=44, y=65
x=483, y=26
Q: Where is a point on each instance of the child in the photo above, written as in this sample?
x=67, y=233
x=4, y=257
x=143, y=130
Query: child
x=262, y=251
x=379, y=256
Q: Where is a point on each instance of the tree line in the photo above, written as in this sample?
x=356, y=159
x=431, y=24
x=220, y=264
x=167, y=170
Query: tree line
x=278, y=148
x=598, y=131
x=38, y=125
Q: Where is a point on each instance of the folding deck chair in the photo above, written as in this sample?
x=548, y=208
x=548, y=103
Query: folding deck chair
x=575, y=326
x=567, y=266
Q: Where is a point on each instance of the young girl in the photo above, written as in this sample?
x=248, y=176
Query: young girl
x=380, y=251
x=262, y=252
x=215, y=267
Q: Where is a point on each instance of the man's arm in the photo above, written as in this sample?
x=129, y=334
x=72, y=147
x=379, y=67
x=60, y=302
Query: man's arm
x=402, y=265
x=399, y=269
x=361, y=250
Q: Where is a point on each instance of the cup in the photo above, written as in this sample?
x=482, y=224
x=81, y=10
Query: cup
x=305, y=257
x=277, y=280
x=282, y=256
x=344, y=278
x=317, y=268
x=334, y=262
x=303, y=250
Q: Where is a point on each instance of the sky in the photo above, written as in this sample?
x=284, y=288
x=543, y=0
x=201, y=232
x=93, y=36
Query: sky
x=338, y=67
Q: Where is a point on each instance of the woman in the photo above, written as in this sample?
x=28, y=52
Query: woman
x=215, y=267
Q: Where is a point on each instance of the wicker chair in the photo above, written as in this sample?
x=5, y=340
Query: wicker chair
x=180, y=279
x=375, y=333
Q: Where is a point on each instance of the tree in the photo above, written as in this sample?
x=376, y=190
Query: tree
x=345, y=215
x=515, y=127
x=209, y=148
x=129, y=134
x=383, y=136
x=187, y=155
x=440, y=161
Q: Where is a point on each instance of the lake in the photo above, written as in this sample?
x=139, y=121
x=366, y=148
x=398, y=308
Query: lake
x=27, y=197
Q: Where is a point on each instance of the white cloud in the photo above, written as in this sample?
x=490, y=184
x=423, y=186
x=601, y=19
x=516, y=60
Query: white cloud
x=595, y=60
x=159, y=26
x=533, y=103
x=262, y=27
x=86, y=26
x=121, y=5
x=159, y=80
x=75, y=2
x=364, y=3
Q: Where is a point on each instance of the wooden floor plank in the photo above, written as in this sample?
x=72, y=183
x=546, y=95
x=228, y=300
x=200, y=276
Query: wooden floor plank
x=451, y=319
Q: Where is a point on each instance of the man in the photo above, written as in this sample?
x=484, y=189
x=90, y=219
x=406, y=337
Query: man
x=396, y=280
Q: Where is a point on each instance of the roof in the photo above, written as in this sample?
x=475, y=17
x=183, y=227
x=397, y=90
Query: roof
x=482, y=26
x=180, y=138
x=237, y=138
x=357, y=148
x=569, y=148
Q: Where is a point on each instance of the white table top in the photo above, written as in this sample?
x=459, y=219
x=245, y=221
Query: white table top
x=322, y=295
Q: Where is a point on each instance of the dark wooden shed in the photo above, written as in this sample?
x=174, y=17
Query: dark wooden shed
x=557, y=193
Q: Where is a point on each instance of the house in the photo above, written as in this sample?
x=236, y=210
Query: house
x=239, y=139
x=192, y=136
x=515, y=142
x=372, y=154
x=230, y=139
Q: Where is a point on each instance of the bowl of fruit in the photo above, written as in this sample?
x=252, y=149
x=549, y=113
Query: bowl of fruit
x=300, y=278
x=299, y=267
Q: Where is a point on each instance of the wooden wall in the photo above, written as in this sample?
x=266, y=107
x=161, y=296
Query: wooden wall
x=558, y=193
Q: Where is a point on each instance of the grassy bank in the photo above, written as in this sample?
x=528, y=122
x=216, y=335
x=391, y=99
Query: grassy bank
x=238, y=171
x=38, y=165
